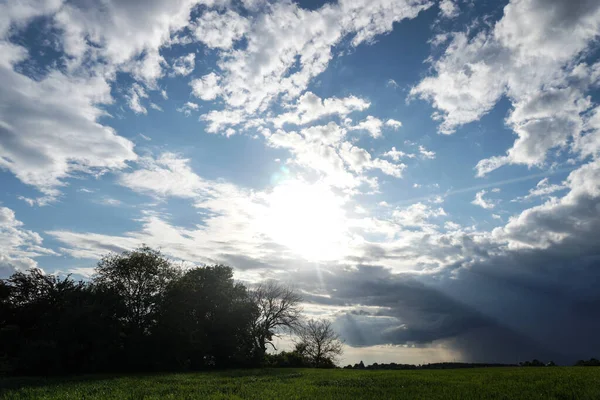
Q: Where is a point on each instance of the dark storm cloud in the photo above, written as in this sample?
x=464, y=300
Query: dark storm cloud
x=522, y=304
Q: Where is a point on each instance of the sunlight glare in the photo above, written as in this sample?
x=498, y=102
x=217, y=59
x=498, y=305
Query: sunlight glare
x=308, y=219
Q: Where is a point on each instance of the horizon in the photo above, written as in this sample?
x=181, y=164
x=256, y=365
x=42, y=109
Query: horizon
x=424, y=173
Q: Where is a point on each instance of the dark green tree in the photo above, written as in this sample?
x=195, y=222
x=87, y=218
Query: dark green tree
x=205, y=320
x=140, y=278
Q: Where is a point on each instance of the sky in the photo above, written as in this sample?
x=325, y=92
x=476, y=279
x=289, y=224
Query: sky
x=425, y=173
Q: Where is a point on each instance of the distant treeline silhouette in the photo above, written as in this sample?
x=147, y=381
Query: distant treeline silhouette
x=592, y=362
x=140, y=312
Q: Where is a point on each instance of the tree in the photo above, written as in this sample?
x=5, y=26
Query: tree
x=205, y=320
x=54, y=325
x=277, y=308
x=319, y=343
x=139, y=277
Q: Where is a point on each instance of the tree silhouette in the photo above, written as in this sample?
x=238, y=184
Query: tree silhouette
x=140, y=278
x=319, y=343
x=205, y=320
x=278, y=308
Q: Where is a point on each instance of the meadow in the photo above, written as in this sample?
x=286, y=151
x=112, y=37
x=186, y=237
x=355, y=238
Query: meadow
x=480, y=383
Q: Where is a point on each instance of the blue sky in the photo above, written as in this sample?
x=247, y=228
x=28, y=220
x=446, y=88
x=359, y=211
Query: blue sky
x=424, y=172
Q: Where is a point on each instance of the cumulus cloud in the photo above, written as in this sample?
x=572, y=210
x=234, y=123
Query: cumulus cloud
x=188, y=107
x=18, y=246
x=287, y=34
x=49, y=128
x=128, y=35
x=533, y=64
x=397, y=155
x=392, y=123
x=310, y=107
x=220, y=30
x=219, y=119
x=543, y=189
x=168, y=175
x=207, y=87
x=426, y=154
x=448, y=9
x=325, y=149
x=371, y=124
x=417, y=214
x=562, y=219
x=184, y=65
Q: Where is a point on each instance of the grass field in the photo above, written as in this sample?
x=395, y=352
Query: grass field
x=490, y=383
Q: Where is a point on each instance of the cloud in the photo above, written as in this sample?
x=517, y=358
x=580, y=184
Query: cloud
x=559, y=220
x=136, y=93
x=371, y=124
x=252, y=77
x=188, y=107
x=449, y=9
x=416, y=215
x=207, y=87
x=396, y=155
x=534, y=65
x=18, y=247
x=220, y=30
x=184, y=65
x=310, y=107
x=426, y=154
x=49, y=128
x=168, y=175
x=542, y=189
x=16, y=15
x=108, y=201
x=220, y=119
x=325, y=149
x=127, y=35
x=392, y=83
x=481, y=202
x=392, y=123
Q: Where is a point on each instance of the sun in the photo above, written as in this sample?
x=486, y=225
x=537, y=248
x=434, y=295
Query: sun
x=308, y=219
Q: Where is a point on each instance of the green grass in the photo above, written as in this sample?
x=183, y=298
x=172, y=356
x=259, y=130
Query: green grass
x=484, y=383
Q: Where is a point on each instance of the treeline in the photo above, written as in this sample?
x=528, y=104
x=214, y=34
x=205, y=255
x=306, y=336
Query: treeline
x=443, y=365
x=140, y=312
x=592, y=362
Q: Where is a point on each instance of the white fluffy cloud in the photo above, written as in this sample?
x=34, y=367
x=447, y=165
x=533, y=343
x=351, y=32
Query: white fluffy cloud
x=184, y=65
x=448, y=9
x=543, y=189
x=220, y=30
x=426, y=154
x=134, y=98
x=18, y=247
x=417, y=215
x=187, y=108
x=311, y=107
x=396, y=155
x=371, y=124
x=324, y=149
x=168, y=175
x=207, y=87
x=392, y=123
x=121, y=31
x=531, y=56
x=482, y=202
x=287, y=34
x=49, y=129
x=571, y=217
